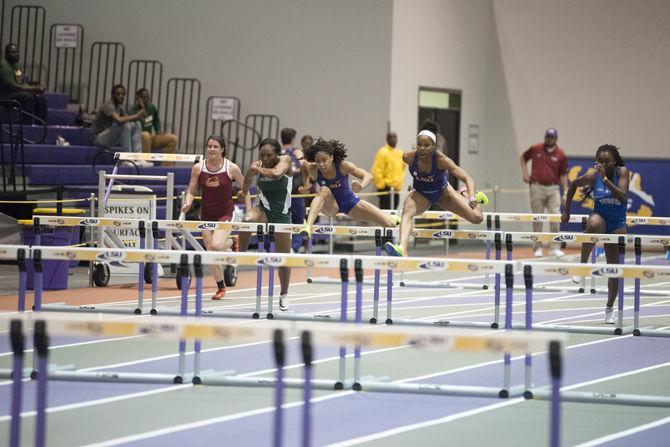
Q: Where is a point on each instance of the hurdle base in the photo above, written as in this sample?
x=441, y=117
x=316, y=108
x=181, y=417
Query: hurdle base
x=304, y=317
x=465, y=324
x=326, y=280
x=428, y=388
x=576, y=329
x=652, y=332
x=640, y=400
x=110, y=376
x=90, y=309
x=263, y=382
x=207, y=313
x=432, y=285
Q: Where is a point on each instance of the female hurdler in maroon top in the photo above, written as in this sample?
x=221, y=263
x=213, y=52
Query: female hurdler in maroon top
x=214, y=177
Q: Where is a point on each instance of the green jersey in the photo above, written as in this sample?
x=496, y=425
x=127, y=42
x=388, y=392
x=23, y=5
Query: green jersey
x=275, y=198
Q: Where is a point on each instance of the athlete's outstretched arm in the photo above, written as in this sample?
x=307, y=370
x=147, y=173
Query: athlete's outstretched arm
x=446, y=163
x=363, y=176
x=583, y=180
x=280, y=169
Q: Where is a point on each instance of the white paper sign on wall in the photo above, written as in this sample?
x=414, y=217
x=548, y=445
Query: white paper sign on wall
x=66, y=36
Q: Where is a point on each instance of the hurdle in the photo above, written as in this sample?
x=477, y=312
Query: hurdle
x=97, y=265
x=184, y=258
x=310, y=334
x=619, y=271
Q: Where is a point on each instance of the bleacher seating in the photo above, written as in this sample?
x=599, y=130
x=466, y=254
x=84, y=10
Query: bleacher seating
x=48, y=164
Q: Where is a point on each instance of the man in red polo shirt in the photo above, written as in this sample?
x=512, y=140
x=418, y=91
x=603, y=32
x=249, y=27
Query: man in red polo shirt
x=549, y=169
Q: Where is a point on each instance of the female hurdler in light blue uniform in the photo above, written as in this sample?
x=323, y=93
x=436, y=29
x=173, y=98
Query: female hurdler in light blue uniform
x=607, y=186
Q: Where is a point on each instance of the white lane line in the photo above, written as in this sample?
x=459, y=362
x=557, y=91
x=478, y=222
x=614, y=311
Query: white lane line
x=83, y=343
x=328, y=396
x=624, y=433
x=106, y=400
x=453, y=417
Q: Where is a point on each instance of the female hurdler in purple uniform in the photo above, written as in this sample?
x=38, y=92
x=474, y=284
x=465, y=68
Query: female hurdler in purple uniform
x=325, y=163
x=429, y=168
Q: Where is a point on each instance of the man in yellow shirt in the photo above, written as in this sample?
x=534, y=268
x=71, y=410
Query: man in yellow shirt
x=388, y=170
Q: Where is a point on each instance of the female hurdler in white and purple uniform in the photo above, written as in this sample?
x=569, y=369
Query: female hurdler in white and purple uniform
x=429, y=168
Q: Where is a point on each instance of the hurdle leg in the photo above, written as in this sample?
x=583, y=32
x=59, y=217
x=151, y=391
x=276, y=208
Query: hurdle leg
x=309, y=252
x=279, y=350
x=259, y=273
x=183, y=272
x=197, y=267
x=593, y=278
x=509, y=302
x=41, y=344
x=18, y=345
x=271, y=278
x=528, y=361
x=154, y=270
x=487, y=249
x=37, y=306
x=307, y=390
x=636, y=304
x=344, y=276
x=21, y=262
x=622, y=260
x=496, y=286
x=140, y=275
x=389, y=296
x=358, y=270
x=39, y=279
x=555, y=417
x=375, y=299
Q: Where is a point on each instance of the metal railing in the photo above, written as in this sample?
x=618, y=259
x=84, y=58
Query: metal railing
x=66, y=50
x=105, y=70
x=266, y=125
x=182, y=112
x=241, y=141
x=26, y=30
x=144, y=74
x=2, y=24
x=10, y=119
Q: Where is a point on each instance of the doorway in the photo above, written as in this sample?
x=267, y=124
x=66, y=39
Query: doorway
x=444, y=107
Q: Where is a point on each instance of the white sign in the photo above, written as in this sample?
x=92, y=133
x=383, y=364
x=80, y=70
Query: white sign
x=66, y=36
x=130, y=206
x=473, y=139
x=223, y=109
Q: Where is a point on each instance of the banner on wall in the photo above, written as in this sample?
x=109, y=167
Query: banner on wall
x=647, y=191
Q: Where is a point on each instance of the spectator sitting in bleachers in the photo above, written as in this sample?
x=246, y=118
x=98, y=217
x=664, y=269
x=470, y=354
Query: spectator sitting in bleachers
x=113, y=127
x=167, y=141
x=15, y=85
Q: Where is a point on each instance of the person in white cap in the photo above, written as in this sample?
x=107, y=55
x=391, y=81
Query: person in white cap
x=549, y=169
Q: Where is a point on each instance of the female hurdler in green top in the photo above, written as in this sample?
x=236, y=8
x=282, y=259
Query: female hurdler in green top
x=274, y=181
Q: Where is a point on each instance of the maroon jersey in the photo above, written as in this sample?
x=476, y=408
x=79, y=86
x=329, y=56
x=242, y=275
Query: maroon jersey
x=217, y=193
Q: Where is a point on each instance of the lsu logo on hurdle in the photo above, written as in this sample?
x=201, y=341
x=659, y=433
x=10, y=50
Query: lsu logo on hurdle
x=324, y=230
x=274, y=261
x=443, y=234
x=565, y=238
x=111, y=256
x=88, y=222
x=607, y=272
x=434, y=265
x=207, y=226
